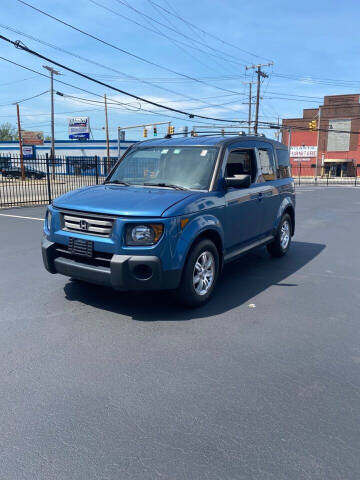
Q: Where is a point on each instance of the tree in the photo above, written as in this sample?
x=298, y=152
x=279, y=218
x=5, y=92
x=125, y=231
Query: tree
x=8, y=132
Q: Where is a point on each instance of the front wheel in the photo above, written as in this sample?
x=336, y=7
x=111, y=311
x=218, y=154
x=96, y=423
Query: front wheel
x=281, y=243
x=199, y=275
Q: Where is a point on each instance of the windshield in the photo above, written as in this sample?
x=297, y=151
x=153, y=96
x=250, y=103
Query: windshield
x=182, y=167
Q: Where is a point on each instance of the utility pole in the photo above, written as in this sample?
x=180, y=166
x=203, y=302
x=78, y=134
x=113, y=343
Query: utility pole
x=260, y=74
x=249, y=103
x=318, y=144
x=277, y=133
x=108, y=166
x=52, y=150
x=20, y=143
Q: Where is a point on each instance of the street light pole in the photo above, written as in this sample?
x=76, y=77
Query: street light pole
x=52, y=150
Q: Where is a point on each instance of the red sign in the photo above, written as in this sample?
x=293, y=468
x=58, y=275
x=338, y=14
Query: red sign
x=32, y=138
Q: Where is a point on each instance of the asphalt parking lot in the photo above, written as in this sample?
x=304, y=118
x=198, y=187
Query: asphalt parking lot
x=263, y=383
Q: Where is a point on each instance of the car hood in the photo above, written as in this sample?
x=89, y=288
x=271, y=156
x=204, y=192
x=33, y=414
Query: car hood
x=121, y=200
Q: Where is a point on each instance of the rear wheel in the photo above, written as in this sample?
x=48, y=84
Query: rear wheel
x=199, y=275
x=281, y=243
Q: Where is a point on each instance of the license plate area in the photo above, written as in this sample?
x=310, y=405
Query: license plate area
x=83, y=248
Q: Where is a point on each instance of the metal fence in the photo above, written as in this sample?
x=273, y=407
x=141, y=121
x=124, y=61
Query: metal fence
x=38, y=181
x=327, y=174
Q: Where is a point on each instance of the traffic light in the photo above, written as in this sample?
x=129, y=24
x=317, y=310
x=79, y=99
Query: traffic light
x=172, y=130
x=193, y=133
x=155, y=132
x=145, y=133
x=312, y=125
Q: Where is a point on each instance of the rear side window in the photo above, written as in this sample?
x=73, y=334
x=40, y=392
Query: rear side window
x=267, y=164
x=241, y=162
x=283, y=168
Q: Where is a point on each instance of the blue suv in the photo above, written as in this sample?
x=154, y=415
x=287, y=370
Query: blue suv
x=172, y=212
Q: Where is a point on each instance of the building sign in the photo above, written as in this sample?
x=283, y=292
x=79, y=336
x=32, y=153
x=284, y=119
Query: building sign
x=27, y=151
x=79, y=128
x=32, y=138
x=301, y=159
x=303, y=151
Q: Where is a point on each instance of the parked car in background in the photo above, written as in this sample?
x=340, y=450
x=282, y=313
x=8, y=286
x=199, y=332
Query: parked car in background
x=4, y=163
x=15, y=172
x=172, y=212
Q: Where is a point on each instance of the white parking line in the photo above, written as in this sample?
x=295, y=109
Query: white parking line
x=19, y=216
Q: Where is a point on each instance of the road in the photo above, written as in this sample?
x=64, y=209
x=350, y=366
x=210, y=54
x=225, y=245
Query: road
x=263, y=383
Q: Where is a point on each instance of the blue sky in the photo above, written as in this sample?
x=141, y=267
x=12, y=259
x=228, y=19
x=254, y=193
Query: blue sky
x=314, y=46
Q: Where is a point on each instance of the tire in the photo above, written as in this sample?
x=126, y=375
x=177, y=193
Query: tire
x=202, y=262
x=282, y=241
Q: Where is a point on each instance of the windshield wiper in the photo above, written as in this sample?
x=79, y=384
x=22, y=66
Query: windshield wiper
x=162, y=184
x=118, y=182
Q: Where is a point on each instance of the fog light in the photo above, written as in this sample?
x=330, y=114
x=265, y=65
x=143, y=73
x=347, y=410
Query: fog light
x=142, y=272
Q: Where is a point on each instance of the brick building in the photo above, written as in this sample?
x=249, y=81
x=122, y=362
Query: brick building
x=335, y=149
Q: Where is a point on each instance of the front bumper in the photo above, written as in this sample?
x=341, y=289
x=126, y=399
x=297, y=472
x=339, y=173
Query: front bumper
x=121, y=272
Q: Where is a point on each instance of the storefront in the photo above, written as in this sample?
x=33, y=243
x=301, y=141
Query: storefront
x=338, y=167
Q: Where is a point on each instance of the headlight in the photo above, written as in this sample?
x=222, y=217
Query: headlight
x=48, y=219
x=144, y=234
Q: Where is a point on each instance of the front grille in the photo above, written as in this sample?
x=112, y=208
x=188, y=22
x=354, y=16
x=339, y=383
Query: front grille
x=87, y=224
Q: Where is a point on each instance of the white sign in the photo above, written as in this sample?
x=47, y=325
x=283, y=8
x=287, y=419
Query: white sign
x=79, y=127
x=303, y=151
x=27, y=151
x=301, y=159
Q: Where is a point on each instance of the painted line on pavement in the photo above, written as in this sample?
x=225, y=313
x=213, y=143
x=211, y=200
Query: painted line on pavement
x=19, y=216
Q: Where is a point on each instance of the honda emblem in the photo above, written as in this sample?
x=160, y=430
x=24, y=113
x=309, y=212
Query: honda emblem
x=84, y=225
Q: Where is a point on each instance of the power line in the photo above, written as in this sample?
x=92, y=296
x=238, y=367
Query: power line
x=6, y=27
x=193, y=42
x=152, y=29
x=209, y=34
x=17, y=81
x=319, y=80
x=94, y=37
x=24, y=99
x=91, y=101
x=152, y=112
x=19, y=45
x=121, y=2
x=41, y=114
x=297, y=127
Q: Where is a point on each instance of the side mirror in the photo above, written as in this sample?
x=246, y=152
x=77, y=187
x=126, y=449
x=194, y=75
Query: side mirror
x=240, y=181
